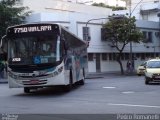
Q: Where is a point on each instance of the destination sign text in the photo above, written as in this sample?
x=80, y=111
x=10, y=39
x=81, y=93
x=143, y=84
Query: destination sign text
x=32, y=29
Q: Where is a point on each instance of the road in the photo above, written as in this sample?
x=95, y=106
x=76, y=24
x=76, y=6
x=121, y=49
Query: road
x=108, y=94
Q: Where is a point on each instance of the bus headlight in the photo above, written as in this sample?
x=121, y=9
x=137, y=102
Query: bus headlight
x=58, y=71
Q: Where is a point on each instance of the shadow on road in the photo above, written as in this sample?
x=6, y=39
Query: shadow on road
x=49, y=91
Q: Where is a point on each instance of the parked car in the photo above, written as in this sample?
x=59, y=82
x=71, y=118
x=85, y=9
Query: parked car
x=152, y=72
x=141, y=68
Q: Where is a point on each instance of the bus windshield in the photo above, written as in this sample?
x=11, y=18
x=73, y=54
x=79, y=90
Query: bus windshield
x=32, y=50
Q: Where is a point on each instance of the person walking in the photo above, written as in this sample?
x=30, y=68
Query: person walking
x=128, y=66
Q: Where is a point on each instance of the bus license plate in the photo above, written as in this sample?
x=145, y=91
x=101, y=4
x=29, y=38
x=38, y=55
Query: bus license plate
x=34, y=81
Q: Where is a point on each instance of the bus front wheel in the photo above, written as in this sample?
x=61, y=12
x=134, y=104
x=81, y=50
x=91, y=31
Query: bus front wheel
x=82, y=82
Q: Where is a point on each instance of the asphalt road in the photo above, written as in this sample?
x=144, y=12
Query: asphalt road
x=105, y=94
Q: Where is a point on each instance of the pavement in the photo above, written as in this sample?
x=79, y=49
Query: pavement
x=103, y=74
x=93, y=75
x=3, y=80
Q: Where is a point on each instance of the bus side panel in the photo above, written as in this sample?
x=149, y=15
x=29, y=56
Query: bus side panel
x=72, y=65
x=77, y=65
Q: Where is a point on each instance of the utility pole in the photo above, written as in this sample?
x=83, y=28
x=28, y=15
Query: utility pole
x=130, y=56
x=130, y=15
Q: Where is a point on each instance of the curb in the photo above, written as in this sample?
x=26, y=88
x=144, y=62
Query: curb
x=103, y=74
x=3, y=80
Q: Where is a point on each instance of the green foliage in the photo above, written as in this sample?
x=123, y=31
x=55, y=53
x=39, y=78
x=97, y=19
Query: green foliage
x=11, y=14
x=121, y=30
x=107, y=6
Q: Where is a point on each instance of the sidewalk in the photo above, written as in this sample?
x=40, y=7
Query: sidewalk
x=95, y=75
x=3, y=80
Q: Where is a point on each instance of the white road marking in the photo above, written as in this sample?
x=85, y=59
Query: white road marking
x=109, y=87
x=132, y=105
x=128, y=92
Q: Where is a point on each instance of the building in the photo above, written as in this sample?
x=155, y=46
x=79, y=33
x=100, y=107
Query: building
x=142, y=9
x=100, y=53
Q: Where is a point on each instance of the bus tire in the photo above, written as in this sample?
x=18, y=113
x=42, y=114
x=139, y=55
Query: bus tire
x=27, y=90
x=82, y=82
x=68, y=87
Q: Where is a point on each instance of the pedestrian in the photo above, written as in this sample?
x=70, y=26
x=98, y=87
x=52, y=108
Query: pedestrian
x=128, y=66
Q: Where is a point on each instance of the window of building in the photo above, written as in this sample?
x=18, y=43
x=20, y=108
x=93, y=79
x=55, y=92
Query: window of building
x=104, y=34
x=143, y=56
x=90, y=56
x=104, y=56
x=86, y=33
x=123, y=56
x=110, y=56
x=144, y=34
x=152, y=55
x=148, y=55
x=114, y=56
x=157, y=54
x=148, y=36
x=145, y=16
x=127, y=56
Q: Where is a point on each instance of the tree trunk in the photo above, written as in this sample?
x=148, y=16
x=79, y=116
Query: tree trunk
x=120, y=63
x=121, y=66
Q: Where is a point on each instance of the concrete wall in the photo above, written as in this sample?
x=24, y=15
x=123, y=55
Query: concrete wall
x=74, y=16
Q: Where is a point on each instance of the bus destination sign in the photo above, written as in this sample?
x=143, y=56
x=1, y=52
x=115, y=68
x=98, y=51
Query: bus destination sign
x=28, y=29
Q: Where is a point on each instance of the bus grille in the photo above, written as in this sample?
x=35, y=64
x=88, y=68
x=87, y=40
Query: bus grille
x=33, y=76
x=35, y=82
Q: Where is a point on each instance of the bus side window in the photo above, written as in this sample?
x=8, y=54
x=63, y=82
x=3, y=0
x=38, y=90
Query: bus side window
x=65, y=49
x=64, y=46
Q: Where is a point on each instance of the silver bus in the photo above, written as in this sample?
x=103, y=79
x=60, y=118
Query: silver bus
x=44, y=55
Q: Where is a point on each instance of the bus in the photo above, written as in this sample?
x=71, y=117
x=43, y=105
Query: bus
x=44, y=55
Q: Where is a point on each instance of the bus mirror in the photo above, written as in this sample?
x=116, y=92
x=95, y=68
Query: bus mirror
x=3, y=44
x=2, y=41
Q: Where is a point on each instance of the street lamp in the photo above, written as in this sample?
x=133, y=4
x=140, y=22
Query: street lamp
x=87, y=37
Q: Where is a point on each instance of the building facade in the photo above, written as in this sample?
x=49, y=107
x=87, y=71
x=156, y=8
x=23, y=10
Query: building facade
x=101, y=55
x=143, y=9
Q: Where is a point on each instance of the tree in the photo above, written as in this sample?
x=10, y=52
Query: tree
x=107, y=6
x=11, y=14
x=121, y=30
